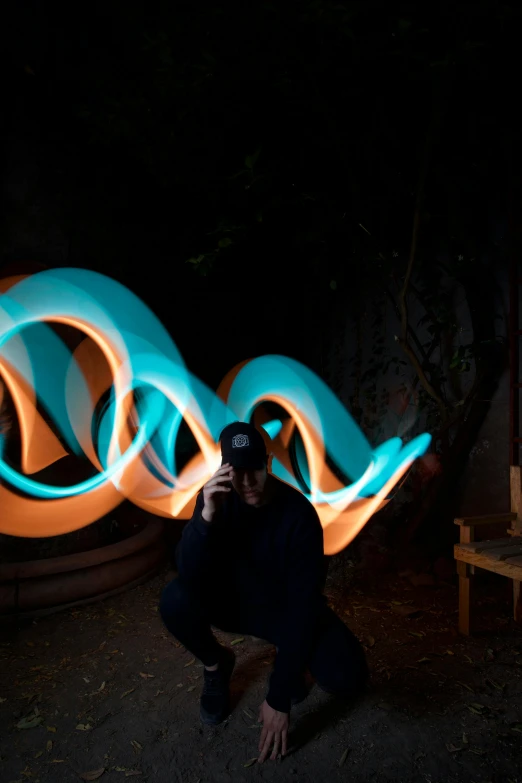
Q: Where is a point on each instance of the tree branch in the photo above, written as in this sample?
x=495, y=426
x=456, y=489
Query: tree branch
x=412, y=356
x=403, y=304
x=425, y=355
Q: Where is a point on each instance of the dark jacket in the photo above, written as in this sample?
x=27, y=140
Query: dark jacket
x=271, y=559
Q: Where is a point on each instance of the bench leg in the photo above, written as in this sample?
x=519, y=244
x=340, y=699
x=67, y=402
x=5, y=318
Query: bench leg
x=517, y=601
x=466, y=573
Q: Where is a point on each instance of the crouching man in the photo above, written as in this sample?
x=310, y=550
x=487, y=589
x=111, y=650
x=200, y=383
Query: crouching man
x=251, y=561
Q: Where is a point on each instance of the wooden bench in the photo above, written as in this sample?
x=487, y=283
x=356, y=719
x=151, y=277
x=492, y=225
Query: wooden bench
x=501, y=555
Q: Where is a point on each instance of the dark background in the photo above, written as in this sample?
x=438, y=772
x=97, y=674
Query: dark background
x=254, y=172
x=135, y=120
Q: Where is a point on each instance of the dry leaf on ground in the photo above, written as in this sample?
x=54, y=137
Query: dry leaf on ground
x=499, y=686
x=30, y=722
x=94, y=775
x=407, y=611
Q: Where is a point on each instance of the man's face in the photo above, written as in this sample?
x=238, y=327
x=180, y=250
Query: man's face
x=250, y=484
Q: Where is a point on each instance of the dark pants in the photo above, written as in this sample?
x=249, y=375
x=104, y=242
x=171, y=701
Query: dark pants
x=336, y=661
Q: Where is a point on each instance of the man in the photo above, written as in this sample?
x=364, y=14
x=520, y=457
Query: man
x=251, y=561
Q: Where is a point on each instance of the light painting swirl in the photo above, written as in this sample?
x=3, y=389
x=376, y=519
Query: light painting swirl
x=120, y=397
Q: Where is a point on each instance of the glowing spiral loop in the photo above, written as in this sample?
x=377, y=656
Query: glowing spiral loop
x=128, y=359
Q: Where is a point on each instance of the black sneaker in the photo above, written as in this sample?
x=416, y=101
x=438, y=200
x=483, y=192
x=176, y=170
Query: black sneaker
x=215, y=699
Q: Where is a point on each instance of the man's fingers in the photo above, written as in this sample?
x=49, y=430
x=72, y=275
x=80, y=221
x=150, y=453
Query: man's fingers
x=218, y=480
x=284, y=743
x=276, y=747
x=216, y=488
x=262, y=738
x=223, y=470
x=266, y=748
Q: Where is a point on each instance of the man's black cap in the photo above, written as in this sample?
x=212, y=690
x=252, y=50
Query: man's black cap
x=243, y=446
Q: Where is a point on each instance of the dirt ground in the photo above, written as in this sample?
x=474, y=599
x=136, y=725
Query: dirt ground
x=103, y=692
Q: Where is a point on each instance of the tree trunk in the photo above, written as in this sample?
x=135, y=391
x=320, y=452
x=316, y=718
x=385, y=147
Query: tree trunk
x=432, y=513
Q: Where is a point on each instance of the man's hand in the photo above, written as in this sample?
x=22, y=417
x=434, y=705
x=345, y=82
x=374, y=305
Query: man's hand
x=215, y=490
x=274, y=731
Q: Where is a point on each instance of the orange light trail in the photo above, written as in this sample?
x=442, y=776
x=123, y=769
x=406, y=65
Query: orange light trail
x=131, y=445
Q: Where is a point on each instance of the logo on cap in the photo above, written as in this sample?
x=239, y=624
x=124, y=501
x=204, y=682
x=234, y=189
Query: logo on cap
x=240, y=441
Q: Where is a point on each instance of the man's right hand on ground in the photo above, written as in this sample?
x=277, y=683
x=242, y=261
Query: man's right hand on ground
x=214, y=491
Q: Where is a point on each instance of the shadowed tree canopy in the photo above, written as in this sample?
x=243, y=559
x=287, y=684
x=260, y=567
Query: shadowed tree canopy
x=260, y=138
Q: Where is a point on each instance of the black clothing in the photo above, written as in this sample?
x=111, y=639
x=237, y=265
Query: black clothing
x=335, y=660
x=261, y=571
